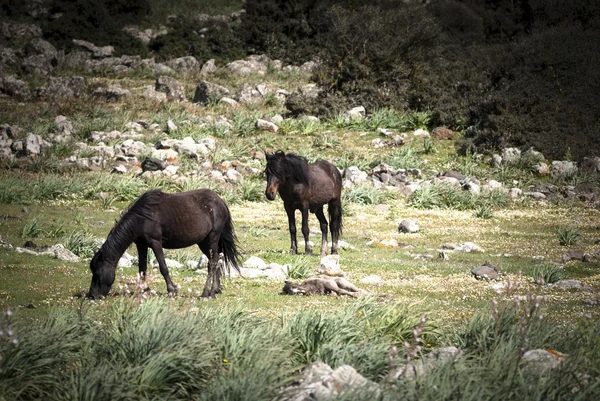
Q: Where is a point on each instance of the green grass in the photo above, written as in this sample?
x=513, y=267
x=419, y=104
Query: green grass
x=567, y=235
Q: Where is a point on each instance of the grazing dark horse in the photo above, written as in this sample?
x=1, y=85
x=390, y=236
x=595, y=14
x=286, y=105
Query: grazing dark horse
x=158, y=220
x=306, y=187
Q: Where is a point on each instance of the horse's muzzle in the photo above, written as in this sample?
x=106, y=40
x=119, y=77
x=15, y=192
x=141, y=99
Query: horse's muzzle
x=270, y=195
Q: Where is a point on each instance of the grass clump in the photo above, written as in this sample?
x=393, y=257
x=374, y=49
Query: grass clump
x=32, y=228
x=362, y=195
x=81, y=243
x=300, y=269
x=548, y=274
x=567, y=235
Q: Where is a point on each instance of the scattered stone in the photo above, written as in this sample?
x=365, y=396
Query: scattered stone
x=153, y=164
x=150, y=92
x=469, y=247
x=421, y=367
x=541, y=361
x=111, y=94
x=563, y=168
x=388, y=243
x=208, y=68
x=576, y=255
x=443, y=133
x=254, y=262
x=330, y=266
x=421, y=133
x=372, y=280
x=265, y=125
x=97, y=52
x=171, y=87
x=14, y=87
x=570, y=285
x=408, y=226
x=64, y=87
x=356, y=113
x=511, y=155
x=486, y=271
x=318, y=382
x=57, y=251
x=205, y=91
x=255, y=64
x=187, y=65
x=126, y=260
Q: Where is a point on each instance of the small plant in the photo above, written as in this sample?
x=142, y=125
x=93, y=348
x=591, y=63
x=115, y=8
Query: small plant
x=483, y=212
x=428, y=146
x=55, y=232
x=548, y=274
x=406, y=157
x=567, y=235
x=419, y=120
x=107, y=199
x=252, y=191
x=81, y=244
x=301, y=268
x=363, y=195
x=32, y=228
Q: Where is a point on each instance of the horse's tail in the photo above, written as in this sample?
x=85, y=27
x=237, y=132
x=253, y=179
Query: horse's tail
x=228, y=246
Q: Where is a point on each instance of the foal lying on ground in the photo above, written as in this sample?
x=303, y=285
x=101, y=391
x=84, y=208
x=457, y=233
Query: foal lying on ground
x=322, y=285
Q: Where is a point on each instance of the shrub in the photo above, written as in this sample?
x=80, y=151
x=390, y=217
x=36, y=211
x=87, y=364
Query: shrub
x=406, y=157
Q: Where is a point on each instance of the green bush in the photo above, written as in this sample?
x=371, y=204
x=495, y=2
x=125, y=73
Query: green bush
x=100, y=22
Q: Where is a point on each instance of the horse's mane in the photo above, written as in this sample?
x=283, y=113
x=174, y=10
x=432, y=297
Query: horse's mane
x=126, y=228
x=293, y=166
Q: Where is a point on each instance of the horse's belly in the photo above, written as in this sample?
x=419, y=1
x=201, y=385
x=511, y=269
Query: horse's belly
x=178, y=243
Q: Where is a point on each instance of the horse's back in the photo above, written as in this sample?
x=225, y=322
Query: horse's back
x=188, y=217
x=326, y=182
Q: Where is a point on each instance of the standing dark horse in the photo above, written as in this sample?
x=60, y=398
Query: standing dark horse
x=304, y=187
x=158, y=220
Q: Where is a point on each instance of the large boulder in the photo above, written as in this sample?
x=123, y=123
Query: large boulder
x=14, y=87
x=64, y=87
x=187, y=65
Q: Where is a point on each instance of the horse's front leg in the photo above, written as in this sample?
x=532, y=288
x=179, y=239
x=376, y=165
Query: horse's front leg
x=323, y=221
x=142, y=251
x=160, y=257
x=291, y=213
x=305, y=230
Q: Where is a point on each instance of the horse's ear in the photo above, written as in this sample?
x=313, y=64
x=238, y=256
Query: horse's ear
x=280, y=154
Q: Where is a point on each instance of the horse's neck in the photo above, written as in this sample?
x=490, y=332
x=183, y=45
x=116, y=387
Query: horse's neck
x=118, y=240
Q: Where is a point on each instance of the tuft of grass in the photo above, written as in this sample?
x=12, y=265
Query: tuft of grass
x=406, y=157
x=363, y=195
x=548, y=274
x=252, y=191
x=567, y=235
x=300, y=269
x=484, y=212
x=32, y=228
x=81, y=243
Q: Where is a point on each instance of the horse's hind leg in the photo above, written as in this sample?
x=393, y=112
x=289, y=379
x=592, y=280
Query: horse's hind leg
x=305, y=229
x=160, y=257
x=321, y=216
x=210, y=247
x=335, y=223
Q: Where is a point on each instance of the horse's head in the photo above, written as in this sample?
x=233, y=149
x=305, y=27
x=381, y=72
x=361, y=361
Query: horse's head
x=103, y=276
x=292, y=289
x=275, y=173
